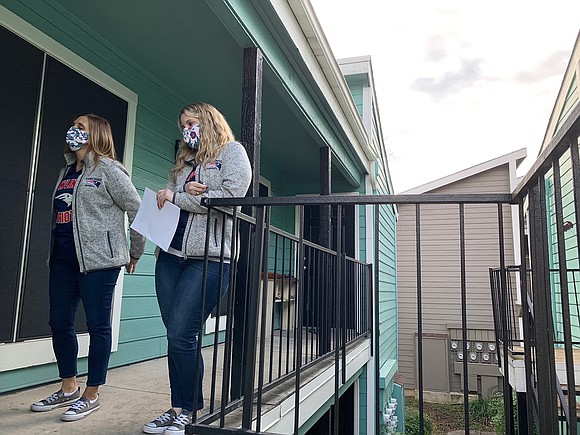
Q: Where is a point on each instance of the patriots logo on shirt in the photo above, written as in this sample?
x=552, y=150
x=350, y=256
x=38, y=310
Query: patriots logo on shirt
x=92, y=182
x=216, y=164
x=66, y=197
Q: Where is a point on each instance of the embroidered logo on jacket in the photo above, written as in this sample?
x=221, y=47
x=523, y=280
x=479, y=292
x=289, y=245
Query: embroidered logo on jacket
x=216, y=164
x=93, y=182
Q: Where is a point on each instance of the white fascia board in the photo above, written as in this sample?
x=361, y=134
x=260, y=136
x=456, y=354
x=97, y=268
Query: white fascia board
x=517, y=156
x=301, y=23
x=355, y=65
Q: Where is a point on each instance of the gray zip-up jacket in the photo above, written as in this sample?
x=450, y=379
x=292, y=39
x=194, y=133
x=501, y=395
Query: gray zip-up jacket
x=101, y=196
x=227, y=177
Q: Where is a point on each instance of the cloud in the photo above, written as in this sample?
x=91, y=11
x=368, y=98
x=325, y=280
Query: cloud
x=450, y=82
x=436, y=50
x=551, y=66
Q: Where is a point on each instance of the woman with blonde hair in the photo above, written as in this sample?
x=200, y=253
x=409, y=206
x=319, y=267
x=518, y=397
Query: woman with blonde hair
x=88, y=249
x=209, y=163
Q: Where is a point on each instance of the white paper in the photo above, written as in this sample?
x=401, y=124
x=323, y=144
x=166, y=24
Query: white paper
x=156, y=225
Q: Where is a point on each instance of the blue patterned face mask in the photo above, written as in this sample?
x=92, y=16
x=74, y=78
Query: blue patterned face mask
x=191, y=136
x=76, y=138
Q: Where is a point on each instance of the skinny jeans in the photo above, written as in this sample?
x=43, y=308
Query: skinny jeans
x=67, y=287
x=179, y=287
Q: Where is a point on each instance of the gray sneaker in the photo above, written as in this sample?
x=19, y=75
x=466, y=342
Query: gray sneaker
x=178, y=426
x=80, y=409
x=55, y=400
x=160, y=423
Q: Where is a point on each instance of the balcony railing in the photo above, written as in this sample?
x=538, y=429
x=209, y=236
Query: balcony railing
x=277, y=337
x=293, y=309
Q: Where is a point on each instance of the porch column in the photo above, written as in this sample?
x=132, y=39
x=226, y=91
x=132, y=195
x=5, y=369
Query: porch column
x=251, y=130
x=325, y=210
x=325, y=239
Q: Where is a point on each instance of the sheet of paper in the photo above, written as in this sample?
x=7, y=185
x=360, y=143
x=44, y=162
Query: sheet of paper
x=156, y=225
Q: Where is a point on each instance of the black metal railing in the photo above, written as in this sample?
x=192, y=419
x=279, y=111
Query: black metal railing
x=332, y=304
x=327, y=282
x=548, y=209
x=302, y=306
x=507, y=308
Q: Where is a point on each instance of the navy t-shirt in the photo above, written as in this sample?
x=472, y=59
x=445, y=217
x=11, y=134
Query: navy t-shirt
x=64, y=244
x=177, y=240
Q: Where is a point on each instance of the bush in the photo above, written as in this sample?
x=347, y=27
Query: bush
x=412, y=424
x=486, y=411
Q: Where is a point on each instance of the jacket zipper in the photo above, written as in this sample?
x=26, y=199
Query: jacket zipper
x=78, y=183
x=215, y=232
x=185, y=239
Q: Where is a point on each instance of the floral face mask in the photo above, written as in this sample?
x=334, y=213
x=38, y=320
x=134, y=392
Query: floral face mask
x=76, y=138
x=191, y=136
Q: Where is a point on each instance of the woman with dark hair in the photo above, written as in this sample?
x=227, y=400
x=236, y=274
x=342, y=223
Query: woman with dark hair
x=88, y=249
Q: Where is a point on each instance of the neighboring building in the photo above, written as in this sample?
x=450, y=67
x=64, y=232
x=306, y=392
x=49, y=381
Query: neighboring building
x=359, y=76
x=441, y=278
x=63, y=57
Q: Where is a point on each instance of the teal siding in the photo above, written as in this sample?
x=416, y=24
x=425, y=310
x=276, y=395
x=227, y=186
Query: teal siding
x=569, y=102
x=570, y=240
x=387, y=360
x=356, y=84
x=363, y=405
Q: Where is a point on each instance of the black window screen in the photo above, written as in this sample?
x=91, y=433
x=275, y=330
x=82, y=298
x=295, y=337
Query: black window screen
x=66, y=94
x=20, y=77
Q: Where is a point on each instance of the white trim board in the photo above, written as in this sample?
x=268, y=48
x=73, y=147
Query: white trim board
x=280, y=419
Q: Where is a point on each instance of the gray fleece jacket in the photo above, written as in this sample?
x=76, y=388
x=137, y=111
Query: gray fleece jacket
x=101, y=196
x=227, y=177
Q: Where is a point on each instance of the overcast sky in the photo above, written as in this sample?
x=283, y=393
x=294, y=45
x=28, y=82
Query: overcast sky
x=458, y=82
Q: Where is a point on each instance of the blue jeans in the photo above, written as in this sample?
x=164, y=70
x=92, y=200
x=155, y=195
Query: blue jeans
x=179, y=285
x=67, y=286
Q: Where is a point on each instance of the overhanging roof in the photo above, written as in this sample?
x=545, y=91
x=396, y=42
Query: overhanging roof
x=515, y=156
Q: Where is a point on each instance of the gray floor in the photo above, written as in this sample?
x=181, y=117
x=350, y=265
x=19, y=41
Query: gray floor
x=133, y=395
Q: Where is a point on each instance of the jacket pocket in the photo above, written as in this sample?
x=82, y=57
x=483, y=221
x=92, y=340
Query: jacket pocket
x=110, y=244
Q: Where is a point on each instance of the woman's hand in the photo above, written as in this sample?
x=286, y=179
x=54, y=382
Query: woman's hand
x=195, y=188
x=132, y=265
x=164, y=195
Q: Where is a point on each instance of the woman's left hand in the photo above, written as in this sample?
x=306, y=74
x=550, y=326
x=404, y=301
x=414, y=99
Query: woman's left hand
x=195, y=188
x=132, y=265
x=164, y=195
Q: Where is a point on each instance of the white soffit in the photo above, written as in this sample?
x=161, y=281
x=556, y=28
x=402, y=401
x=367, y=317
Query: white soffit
x=317, y=55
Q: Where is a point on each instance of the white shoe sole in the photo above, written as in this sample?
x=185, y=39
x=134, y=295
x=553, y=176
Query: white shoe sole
x=75, y=417
x=43, y=408
x=148, y=429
